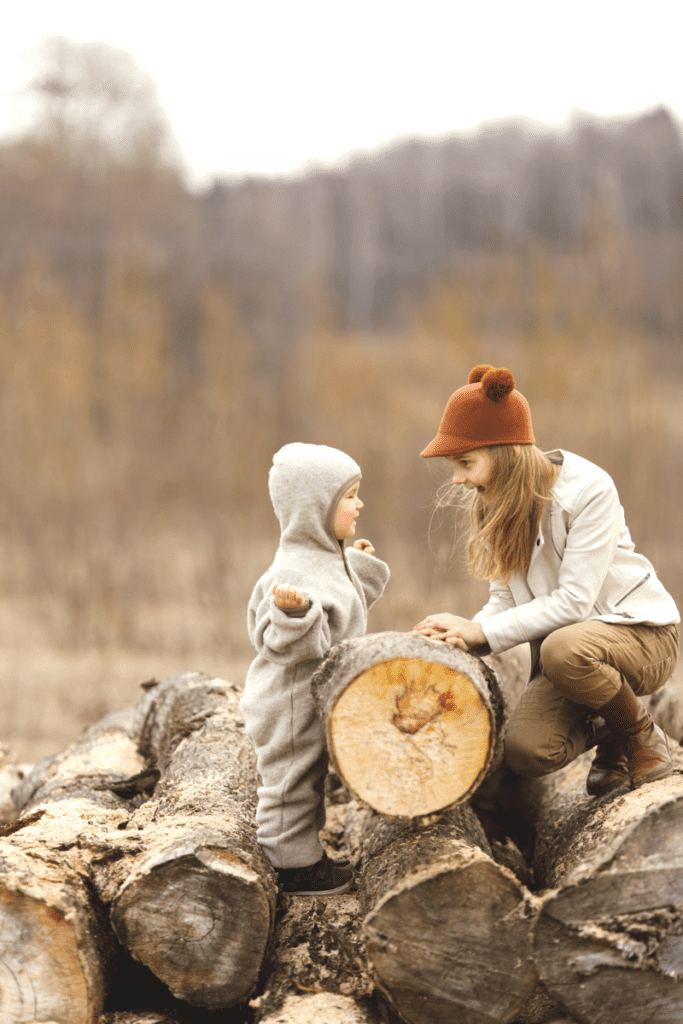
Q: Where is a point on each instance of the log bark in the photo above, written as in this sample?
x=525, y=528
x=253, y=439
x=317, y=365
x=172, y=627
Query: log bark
x=413, y=726
x=316, y=967
x=666, y=706
x=198, y=906
x=322, y=1008
x=56, y=948
x=447, y=931
x=11, y=774
x=609, y=940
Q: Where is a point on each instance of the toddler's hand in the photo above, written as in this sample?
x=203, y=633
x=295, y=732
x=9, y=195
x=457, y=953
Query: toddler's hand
x=288, y=597
x=364, y=545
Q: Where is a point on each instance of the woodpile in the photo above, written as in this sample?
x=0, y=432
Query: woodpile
x=480, y=898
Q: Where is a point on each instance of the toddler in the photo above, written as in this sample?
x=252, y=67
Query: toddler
x=314, y=595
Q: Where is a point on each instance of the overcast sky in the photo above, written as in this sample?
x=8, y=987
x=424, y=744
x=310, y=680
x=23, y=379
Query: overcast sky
x=269, y=87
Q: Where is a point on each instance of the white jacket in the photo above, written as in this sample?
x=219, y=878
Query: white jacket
x=584, y=566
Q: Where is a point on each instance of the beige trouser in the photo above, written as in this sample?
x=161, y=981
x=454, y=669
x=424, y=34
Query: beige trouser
x=582, y=668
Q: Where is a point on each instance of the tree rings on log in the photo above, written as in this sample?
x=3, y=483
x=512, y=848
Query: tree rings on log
x=448, y=932
x=55, y=947
x=609, y=942
x=413, y=725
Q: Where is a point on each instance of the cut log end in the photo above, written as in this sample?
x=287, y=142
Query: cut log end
x=440, y=951
x=43, y=975
x=432, y=728
x=169, y=918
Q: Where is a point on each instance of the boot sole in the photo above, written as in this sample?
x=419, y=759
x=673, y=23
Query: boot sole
x=608, y=788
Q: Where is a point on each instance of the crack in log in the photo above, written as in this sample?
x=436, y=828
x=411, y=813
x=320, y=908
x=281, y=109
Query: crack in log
x=15, y=826
x=637, y=936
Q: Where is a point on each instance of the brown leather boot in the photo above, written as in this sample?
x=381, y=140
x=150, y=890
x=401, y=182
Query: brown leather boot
x=645, y=745
x=609, y=768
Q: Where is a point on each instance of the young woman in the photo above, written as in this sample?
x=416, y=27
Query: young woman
x=547, y=530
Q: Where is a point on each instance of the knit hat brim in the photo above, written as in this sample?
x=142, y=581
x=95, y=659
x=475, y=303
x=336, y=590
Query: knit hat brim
x=444, y=446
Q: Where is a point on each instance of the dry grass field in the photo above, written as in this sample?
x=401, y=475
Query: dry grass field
x=132, y=554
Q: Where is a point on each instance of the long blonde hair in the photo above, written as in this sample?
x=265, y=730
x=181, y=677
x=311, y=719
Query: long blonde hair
x=505, y=516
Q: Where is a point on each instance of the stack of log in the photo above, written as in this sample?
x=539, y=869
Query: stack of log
x=132, y=889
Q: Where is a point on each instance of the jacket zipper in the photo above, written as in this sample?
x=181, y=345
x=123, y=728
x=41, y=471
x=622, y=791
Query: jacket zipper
x=644, y=580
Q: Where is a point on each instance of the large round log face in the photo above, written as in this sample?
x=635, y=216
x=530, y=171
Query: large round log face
x=41, y=976
x=177, y=924
x=418, y=721
x=435, y=946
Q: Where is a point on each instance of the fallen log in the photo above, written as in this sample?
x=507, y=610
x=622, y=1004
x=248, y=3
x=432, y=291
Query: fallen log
x=413, y=725
x=56, y=948
x=198, y=906
x=609, y=940
x=447, y=931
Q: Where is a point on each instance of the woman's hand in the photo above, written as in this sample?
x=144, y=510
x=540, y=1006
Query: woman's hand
x=452, y=629
x=364, y=545
x=288, y=597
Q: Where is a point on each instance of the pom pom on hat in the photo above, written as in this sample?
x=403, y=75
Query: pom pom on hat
x=477, y=372
x=497, y=384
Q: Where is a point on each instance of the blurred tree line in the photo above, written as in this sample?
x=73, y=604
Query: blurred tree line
x=158, y=345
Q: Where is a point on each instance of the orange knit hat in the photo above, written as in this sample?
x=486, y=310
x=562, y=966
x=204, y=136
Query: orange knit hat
x=485, y=412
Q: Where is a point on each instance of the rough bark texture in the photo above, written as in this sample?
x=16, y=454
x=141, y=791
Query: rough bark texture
x=322, y=1008
x=666, y=706
x=447, y=931
x=197, y=908
x=609, y=942
x=11, y=774
x=317, y=949
x=56, y=948
x=413, y=725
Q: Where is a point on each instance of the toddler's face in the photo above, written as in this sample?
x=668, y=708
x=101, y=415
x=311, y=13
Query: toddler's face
x=347, y=512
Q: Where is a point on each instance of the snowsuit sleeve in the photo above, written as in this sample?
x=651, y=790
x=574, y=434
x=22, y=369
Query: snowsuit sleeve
x=372, y=572
x=287, y=638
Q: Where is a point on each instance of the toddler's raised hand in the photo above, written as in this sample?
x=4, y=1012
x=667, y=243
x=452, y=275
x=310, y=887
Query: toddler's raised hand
x=288, y=597
x=364, y=545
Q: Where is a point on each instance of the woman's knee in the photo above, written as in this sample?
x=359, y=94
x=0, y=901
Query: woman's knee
x=557, y=653
x=525, y=759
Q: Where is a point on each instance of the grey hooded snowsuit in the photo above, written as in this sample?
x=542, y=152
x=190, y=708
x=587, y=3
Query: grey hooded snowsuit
x=306, y=484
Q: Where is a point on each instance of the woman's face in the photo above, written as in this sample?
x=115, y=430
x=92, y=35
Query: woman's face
x=472, y=469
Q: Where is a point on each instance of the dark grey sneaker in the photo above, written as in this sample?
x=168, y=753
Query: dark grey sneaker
x=325, y=878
